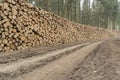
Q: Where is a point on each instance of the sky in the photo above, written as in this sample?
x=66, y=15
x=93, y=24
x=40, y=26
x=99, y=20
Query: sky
x=90, y=1
x=83, y=1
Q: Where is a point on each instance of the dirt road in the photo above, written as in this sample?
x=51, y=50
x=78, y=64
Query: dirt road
x=59, y=68
x=11, y=68
x=87, y=61
x=102, y=64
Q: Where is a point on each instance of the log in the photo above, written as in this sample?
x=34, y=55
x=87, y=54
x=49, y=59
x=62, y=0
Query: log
x=23, y=25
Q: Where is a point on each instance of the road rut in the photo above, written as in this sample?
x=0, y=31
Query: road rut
x=59, y=69
x=23, y=66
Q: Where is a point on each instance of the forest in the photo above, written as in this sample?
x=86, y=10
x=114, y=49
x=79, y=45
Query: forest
x=97, y=13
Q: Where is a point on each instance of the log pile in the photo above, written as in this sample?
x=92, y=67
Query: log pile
x=23, y=25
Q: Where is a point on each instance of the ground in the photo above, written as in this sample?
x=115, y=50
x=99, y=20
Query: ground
x=97, y=60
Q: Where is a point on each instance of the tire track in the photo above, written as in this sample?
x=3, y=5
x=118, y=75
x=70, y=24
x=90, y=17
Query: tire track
x=21, y=67
x=58, y=69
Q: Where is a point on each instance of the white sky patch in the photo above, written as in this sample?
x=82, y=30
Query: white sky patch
x=33, y=2
x=82, y=1
x=91, y=1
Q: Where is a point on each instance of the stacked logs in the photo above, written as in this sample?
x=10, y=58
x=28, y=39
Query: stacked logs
x=23, y=25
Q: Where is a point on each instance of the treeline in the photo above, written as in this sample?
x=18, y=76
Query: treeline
x=100, y=13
